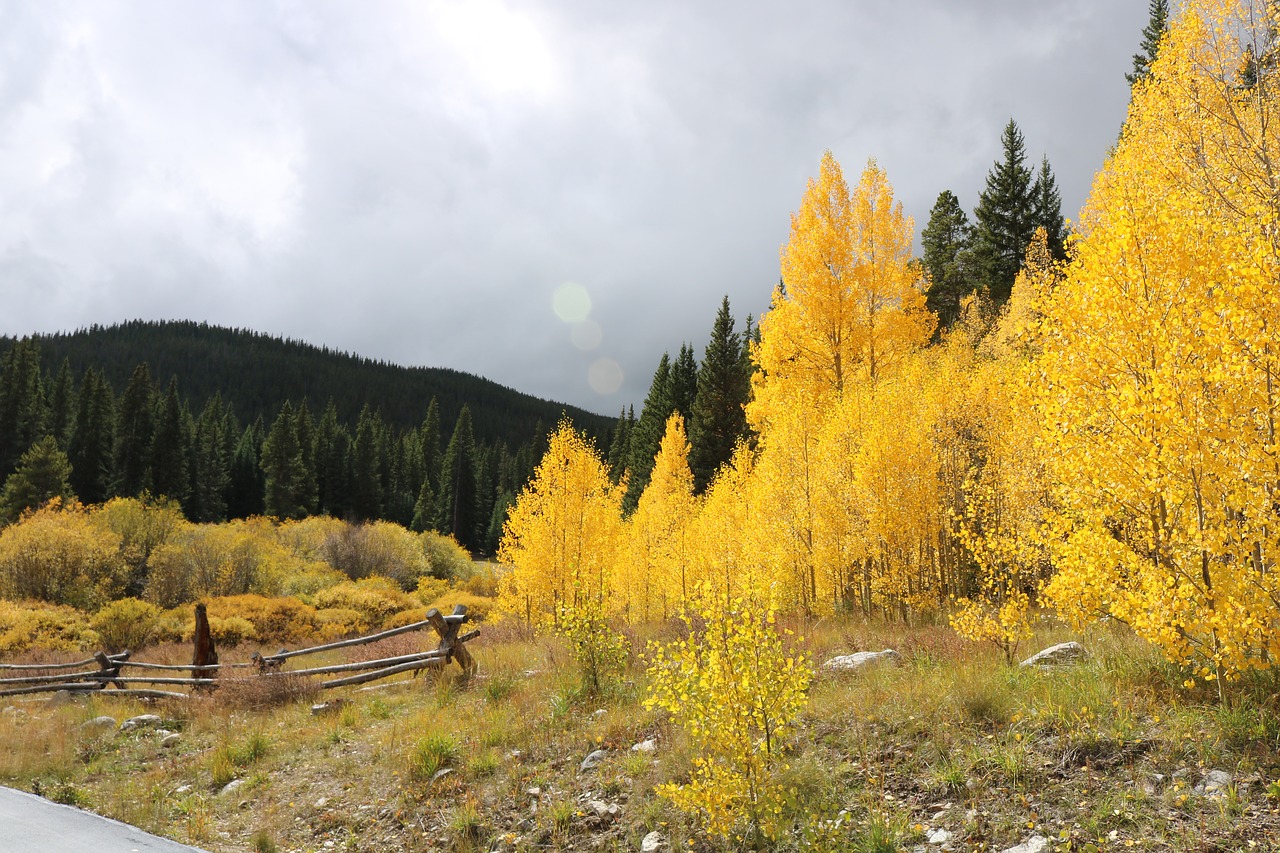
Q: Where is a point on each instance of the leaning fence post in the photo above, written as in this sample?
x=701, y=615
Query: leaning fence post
x=205, y=655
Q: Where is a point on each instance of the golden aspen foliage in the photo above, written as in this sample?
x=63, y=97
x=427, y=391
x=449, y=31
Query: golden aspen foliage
x=851, y=301
x=737, y=690
x=1156, y=386
x=1006, y=495
x=561, y=536
x=655, y=579
x=725, y=534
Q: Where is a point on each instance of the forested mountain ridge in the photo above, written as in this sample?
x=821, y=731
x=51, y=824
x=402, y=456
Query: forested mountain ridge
x=256, y=373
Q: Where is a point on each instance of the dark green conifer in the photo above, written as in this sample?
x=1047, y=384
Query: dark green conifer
x=1005, y=217
x=43, y=473
x=646, y=438
x=91, y=448
x=245, y=493
x=684, y=382
x=170, y=473
x=620, y=445
x=456, y=505
x=135, y=431
x=23, y=411
x=946, y=241
x=1157, y=26
x=62, y=405
x=211, y=466
x=718, y=421
x=1047, y=203
x=366, y=467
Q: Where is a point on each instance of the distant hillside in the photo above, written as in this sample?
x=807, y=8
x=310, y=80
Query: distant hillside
x=256, y=373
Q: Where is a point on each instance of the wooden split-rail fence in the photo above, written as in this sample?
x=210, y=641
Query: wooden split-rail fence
x=111, y=669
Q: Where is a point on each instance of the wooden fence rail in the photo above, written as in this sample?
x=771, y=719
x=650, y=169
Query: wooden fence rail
x=204, y=672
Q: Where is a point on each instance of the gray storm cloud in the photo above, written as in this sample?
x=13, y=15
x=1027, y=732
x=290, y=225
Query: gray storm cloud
x=419, y=181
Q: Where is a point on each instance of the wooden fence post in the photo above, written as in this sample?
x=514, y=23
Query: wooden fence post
x=205, y=654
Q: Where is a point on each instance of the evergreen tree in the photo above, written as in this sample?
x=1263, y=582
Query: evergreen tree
x=486, y=492
x=1157, y=26
x=1006, y=217
x=684, y=381
x=366, y=468
x=135, y=431
x=210, y=469
x=648, y=432
x=718, y=420
x=429, y=435
x=306, y=430
x=1047, y=204
x=946, y=240
x=170, y=473
x=406, y=463
x=43, y=473
x=424, y=509
x=620, y=445
x=284, y=471
x=332, y=446
x=91, y=447
x=501, y=508
x=457, y=505
x=62, y=405
x=245, y=493
x=23, y=413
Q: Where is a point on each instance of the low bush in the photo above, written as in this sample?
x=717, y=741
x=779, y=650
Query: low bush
x=38, y=625
x=127, y=623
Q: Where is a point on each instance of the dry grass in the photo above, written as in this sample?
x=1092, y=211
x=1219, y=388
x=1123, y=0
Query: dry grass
x=951, y=739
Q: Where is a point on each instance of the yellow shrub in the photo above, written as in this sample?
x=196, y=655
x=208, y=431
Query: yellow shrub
x=404, y=617
x=143, y=524
x=379, y=549
x=335, y=622
x=478, y=607
x=376, y=598
x=37, y=625
x=126, y=623
x=445, y=557
x=274, y=620
x=305, y=537
x=56, y=554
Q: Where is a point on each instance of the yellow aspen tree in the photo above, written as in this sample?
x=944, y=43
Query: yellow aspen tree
x=850, y=299
x=1005, y=489
x=1157, y=382
x=659, y=577
x=560, y=538
x=728, y=533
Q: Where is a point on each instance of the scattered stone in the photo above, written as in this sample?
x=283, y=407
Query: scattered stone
x=98, y=725
x=231, y=787
x=330, y=707
x=1215, y=783
x=605, y=811
x=1034, y=844
x=1063, y=654
x=61, y=697
x=441, y=773
x=652, y=843
x=321, y=803
x=649, y=745
x=139, y=721
x=600, y=713
x=593, y=759
x=13, y=712
x=939, y=836
x=859, y=660
x=534, y=792
x=170, y=740
x=182, y=790
x=515, y=755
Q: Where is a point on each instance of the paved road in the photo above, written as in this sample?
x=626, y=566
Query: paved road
x=31, y=824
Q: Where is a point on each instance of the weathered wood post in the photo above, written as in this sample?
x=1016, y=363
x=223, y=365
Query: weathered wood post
x=205, y=655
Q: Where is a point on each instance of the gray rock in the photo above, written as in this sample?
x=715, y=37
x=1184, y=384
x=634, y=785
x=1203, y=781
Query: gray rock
x=592, y=761
x=441, y=773
x=860, y=660
x=1063, y=654
x=1034, y=844
x=98, y=725
x=321, y=803
x=331, y=707
x=939, y=836
x=649, y=745
x=605, y=811
x=62, y=697
x=170, y=740
x=652, y=843
x=139, y=721
x=1215, y=783
x=181, y=790
x=231, y=787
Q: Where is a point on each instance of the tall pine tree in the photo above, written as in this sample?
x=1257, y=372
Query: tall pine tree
x=647, y=435
x=1047, y=205
x=135, y=431
x=946, y=241
x=718, y=420
x=171, y=446
x=457, y=503
x=1157, y=26
x=1006, y=217
x=23, y=413
x=91, y=448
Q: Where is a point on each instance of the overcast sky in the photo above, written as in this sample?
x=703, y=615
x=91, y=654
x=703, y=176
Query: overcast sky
x=549, y=193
